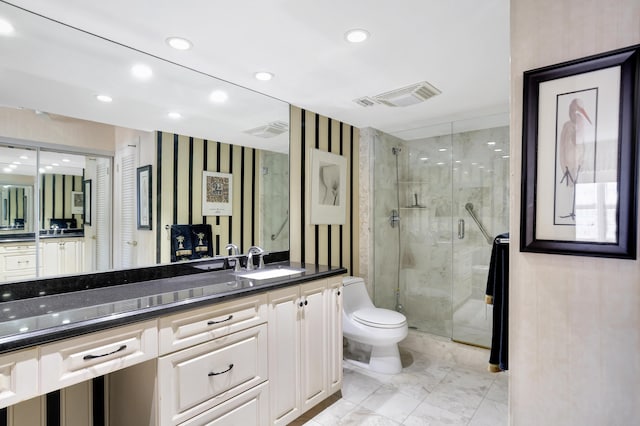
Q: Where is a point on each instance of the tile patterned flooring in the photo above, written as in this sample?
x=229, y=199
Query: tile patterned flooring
x=442, y=383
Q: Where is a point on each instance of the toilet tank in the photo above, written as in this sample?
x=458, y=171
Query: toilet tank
x=355, y=295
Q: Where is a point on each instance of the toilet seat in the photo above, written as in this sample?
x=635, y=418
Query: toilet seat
x=379, y=318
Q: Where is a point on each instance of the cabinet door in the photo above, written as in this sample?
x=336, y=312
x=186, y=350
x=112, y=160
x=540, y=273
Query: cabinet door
x=314, y=349
x=284, y=354
x=51, y=258
x=334, y=334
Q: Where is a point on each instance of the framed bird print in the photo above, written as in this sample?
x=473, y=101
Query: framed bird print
x=579, y=164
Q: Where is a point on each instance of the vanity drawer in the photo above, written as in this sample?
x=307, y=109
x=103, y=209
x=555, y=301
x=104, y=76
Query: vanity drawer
x=196, y=379
x=19, y=262
x=201, y=325
x=74, y=360
x=248, y=409
x=18, y=376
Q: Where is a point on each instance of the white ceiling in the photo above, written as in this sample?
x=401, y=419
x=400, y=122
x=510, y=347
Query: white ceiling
x=459, y=46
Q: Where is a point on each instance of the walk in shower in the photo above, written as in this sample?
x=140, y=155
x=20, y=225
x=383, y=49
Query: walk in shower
x=438, y=201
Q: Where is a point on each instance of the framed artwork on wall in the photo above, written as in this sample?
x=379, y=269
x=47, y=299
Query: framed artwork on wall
x=144, y=197
x=87, y=201
x=217, y=194
x=579, y=166
x=328, y=179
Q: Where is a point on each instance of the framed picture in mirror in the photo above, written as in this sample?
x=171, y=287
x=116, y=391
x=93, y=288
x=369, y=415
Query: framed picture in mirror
x=87, y=202
x=144, y=197
x=77, y=202
x=217, y=194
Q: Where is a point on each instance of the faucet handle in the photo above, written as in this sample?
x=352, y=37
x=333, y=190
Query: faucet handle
x=234, y=248
x=260, y=252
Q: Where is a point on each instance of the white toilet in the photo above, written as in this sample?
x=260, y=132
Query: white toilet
x=363, y=323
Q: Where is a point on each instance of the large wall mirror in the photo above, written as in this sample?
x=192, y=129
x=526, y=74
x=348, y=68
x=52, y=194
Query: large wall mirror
x=69, y=163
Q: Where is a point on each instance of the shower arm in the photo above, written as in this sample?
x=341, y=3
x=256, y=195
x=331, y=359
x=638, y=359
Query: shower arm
x=469, y=208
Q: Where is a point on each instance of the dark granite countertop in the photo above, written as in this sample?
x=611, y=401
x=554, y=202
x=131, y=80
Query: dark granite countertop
x=63, y=307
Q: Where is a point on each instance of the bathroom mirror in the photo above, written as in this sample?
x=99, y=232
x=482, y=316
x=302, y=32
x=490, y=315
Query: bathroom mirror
x=50, y=77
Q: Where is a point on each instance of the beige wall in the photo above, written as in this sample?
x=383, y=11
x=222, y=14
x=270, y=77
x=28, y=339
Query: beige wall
x=56, y=129
x=574, y=321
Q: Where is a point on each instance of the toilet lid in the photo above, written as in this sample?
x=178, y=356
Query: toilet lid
x=380, y=318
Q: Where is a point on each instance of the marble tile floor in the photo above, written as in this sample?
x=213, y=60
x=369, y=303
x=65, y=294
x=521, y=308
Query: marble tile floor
x=442, y=383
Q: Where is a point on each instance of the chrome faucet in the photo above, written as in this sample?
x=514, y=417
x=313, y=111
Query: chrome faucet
x=235, y=253
x=255, y=250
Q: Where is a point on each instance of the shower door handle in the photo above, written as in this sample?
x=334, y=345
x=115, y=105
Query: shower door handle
x=460, y=229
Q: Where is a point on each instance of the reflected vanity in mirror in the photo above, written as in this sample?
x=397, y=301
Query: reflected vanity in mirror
x=49, y=81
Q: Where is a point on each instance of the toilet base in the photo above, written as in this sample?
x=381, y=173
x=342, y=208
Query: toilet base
x=385, y=359
x=382, y=359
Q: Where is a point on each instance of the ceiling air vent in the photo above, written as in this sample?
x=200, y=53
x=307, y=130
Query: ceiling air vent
x=270, y=130
x=366, y=101
x=409, y=95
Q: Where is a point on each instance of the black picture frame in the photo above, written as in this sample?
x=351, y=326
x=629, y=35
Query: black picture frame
x=599, y=159
x=86, y=185
x=144, y=211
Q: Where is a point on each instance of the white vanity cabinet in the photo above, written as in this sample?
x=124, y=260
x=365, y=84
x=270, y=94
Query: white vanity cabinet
x=304, y=335
x=62, y=256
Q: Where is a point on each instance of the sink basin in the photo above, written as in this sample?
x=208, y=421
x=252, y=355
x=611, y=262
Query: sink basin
x=265, y=274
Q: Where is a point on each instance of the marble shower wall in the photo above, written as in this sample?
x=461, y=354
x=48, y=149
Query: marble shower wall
x=275, y=182
x=437, y=177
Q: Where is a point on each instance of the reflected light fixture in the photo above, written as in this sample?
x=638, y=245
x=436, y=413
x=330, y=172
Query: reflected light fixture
x=356, y=35
x=179, y=43
x=174, y=115
x=218, y=96
x=7, y=170
x=104, y=98
x=263, y=75
x=141, y=71
x=5, y=27
x=24, y=157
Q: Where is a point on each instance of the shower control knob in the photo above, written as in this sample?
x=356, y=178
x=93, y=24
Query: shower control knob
x=301, y=304
x=338, y=292
x=306, y=302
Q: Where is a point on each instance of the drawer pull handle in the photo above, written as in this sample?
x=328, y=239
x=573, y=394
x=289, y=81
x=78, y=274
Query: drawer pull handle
x=218, y=322
x=88, y=357
x=221, y=372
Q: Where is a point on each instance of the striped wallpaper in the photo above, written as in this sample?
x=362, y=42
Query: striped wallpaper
x=180, y=163
x=55, y=198
x=14, y=205
x=333, y=245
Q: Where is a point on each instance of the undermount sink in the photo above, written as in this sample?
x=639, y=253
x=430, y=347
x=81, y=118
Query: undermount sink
x=265, y=274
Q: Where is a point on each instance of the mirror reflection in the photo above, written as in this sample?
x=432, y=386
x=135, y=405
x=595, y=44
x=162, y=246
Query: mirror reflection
x=48, y=86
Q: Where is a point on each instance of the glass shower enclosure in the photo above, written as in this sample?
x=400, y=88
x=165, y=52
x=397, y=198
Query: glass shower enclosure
x=438, y=202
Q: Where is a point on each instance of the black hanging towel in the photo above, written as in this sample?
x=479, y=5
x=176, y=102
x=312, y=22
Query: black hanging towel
x=181, y=244
x=497, y=294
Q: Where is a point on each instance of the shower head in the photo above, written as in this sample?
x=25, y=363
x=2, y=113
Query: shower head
x=468, y=206
x=396, y=150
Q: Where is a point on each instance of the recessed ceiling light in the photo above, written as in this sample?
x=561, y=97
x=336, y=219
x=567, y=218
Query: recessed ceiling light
x=505, y=156
x=491, y=143
x=424, y=158
x=41, y=170
x=104, y=98
x=141, y=71
x=174, y=115
x=440, y=164
x=458, y=161
x=442, y=149
x=179, y=43
x=5, y=27
x=24, y=157
x=55, y=164
x=218, y=96
x=7, y=170
x=498, y=150
x=17, y=162
x=263, y=75
x=356, y=35
x=65, y=160
x=13, y=166
x=48, y=167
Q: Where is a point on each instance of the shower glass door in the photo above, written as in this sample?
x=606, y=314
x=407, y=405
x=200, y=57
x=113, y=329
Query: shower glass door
x=480, y=183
